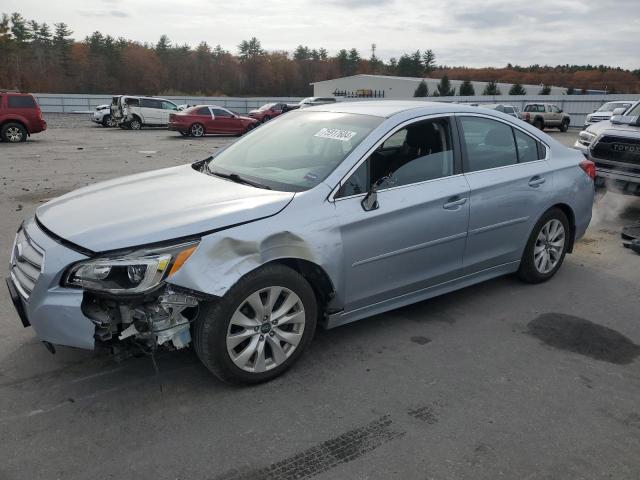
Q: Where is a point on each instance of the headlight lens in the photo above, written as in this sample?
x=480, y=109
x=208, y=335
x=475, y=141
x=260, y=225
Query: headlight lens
x=585, y=138
x=137, y=272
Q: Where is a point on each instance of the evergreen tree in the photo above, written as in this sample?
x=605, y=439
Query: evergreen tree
x=545, y=90
x=444, y=88
x=491, y=89
x=428, y=61
x=466, y=89
x=517, y=89
x=422, y=90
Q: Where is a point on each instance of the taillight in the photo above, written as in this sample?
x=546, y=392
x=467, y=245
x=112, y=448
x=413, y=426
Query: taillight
x=589, y=168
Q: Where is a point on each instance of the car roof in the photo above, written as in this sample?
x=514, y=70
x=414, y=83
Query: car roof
x=388, y=108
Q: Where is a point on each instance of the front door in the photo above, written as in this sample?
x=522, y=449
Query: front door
x=415, y=237
x=510, y=187
x=223, y=121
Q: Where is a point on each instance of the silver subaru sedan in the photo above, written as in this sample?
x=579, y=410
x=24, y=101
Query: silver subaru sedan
x=326, y=215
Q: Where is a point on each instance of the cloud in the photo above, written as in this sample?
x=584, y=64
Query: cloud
x=360, y=3
x=104, y=13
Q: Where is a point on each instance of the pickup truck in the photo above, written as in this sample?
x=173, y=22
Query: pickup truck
x=542, y=115
x=614, y=146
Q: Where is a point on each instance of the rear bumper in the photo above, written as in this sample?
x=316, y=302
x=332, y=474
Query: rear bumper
x=54, y=312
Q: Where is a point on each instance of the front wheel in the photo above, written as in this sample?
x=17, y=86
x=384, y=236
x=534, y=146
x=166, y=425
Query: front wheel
x=107, y=121
x=259, y=328
x=546, y=248
x=135, y=124
x=564, y=126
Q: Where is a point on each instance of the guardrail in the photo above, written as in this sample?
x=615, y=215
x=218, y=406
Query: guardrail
x=578, y=106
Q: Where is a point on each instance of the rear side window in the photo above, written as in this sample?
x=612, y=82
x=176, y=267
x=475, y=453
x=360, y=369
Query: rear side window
x=203, y=111
x=132, y=102
x=21, y=101
x=529, y=149
x=534, y=108
x=489, y=144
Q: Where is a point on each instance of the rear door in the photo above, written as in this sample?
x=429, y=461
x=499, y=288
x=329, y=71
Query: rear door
x=510, y=186
x=167, y=109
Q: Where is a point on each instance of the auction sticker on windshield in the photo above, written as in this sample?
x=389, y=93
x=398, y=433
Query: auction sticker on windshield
x=336, y=134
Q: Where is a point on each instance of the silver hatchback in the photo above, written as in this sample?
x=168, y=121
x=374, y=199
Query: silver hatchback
x=326, y=215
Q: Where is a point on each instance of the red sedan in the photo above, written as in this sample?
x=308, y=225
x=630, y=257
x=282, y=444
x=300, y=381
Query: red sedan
x=268, y=111
x=203, y=119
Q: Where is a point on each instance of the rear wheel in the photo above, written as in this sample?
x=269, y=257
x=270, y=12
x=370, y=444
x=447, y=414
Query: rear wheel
x=546, y=248
x=538, y=123
x=13, y=132
x=259, y=328
x=196, y=130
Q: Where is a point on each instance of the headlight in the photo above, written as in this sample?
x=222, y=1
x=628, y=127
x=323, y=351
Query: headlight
x=585, y=138
x=137, y=272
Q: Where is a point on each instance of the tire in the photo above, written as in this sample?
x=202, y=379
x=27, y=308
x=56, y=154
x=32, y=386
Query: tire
x=135, y=124
x=564, y=126
x=107, y=121
x=266, y=118
x=250, y=127
x=533, y=268
x=214, y=326
x=197, y=130
x=13, y=133
x=538, y=123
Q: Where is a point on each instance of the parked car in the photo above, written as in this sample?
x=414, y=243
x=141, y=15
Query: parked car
x=508, y=109
x=605, y=112
x=314, y=101
x=545, y=115
x=268, y=111
x=614, y=146
x=102, y=116
x=20, y=116
x=135, y=113
x=205, y=119
x=317, y=216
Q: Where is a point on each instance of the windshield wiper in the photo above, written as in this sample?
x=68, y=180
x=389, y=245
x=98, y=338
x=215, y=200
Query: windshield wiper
x=234, y=177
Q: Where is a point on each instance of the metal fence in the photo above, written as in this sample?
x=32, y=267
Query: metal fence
x=79, y=103
x=578, y=106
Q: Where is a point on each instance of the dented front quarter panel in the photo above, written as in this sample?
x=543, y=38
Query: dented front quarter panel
x=306, y=229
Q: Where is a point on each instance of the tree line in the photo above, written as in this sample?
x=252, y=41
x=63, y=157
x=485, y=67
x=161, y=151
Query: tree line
x=466, y=89
x=39, y=57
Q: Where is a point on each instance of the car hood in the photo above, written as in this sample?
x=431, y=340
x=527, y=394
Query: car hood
x=606, y=125
x=155, y=206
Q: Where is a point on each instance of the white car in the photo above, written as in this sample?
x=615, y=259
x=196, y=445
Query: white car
x=605, y=112
x=134, y=112
x=314, y=101
x=102, y=115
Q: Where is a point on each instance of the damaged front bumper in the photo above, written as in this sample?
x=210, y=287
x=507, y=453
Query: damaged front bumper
x=78, y=318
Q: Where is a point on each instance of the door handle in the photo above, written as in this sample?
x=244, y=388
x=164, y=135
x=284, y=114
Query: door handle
x=454, y=202
x=536, y=181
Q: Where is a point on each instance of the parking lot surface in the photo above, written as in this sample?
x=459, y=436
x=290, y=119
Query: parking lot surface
x=500, y=380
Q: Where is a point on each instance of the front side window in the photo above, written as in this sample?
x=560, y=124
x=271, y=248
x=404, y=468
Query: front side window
x=635, y=111
x=219, y=112
x=297, y=151
x=555, y=109
x=168, y=105
x=419, y=152
x=151, y=103
x=489, y=143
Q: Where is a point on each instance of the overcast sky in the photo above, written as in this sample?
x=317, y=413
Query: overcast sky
x=463, y=32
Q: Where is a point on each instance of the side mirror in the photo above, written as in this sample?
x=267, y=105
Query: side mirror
x=561, y=111
x=370, y=200
x=618, y=111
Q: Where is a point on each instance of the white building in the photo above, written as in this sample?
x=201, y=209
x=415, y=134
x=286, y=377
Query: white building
x=402, y=87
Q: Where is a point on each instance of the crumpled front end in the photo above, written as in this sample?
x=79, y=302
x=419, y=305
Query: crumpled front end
x=76, y=317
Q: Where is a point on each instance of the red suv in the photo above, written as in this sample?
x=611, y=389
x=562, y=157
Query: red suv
x=20, y=116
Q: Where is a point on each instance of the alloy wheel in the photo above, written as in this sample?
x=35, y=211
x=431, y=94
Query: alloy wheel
x=549, y=246
x=14, y=134
x=197, y=130
x=265, y=329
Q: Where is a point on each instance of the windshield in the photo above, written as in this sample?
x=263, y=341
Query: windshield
x=611, y=106
x=635, y=111
x=297, y=151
